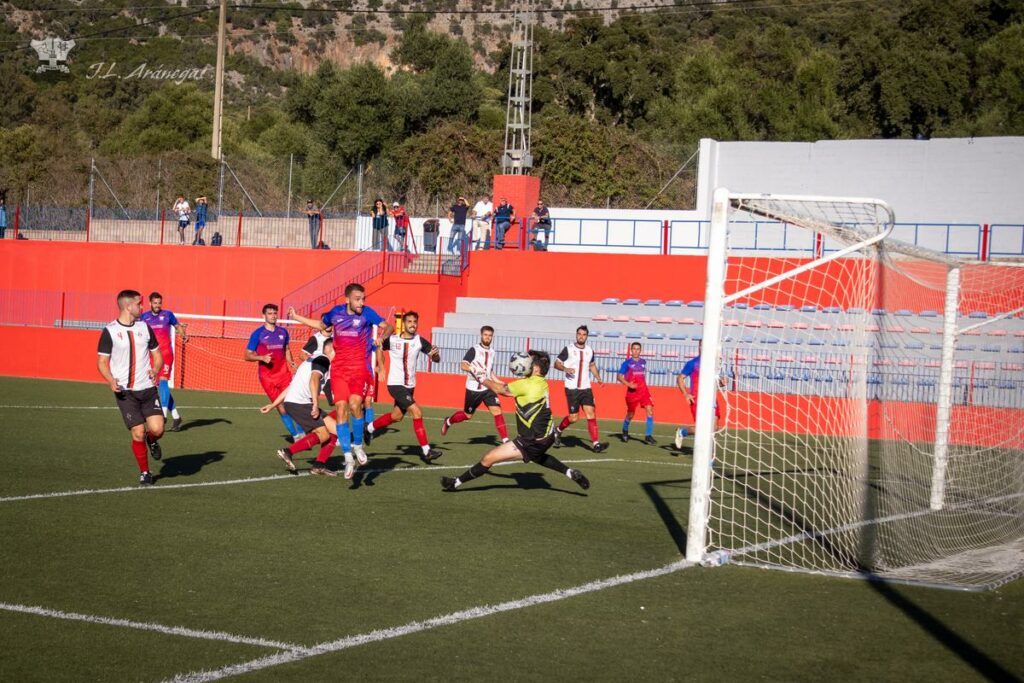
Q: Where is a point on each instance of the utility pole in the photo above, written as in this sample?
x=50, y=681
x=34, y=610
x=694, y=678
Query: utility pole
x=517, y=159
x=218, y=87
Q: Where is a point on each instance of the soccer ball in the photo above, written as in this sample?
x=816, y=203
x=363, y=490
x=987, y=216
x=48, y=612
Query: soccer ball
x=520, y=364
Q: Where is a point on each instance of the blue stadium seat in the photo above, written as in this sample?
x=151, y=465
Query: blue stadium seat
x=980, y=315
x=992, y=348
x=901, y=380
x=775, y=374
x=696, y=304
x=595, y=333
x=832, y=309
x=740, y=306
x=611, y=301
x=793, y=340
x=982, y=384
x=1016, y=349
x=674, y=302
x=763, y=307
x=652, y=302
x=903, y=312
x=656, y=335
x=929, y=314
x=631, y=302
x=888, y=345
x=926, y=382
x=1006, y=384
x=877, y=311
x=613, y=334
x=840, y=342
x=935, y=347
x=697, y=337
x=634, y=335
x=874, y=379
x=678, y=337
x=750, y=374
x=856, y=310
x=816, y=342
x=770, y=340
x=966, y=347
x=808, y=308
x=747, y=339
x=824, y=377
x=784, y=308
x=914, y=345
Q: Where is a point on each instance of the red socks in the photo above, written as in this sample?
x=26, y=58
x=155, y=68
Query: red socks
x=564, y=424
x=499, y=422
x=592, y=428
x=325, y=451
x=140, y=453
x=421, y=431
x=382, y=421
x=304, y=444
x=457, y=418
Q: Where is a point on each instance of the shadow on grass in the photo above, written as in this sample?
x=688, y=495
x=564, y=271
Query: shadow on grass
x=532, y=481
x=187, y=465
x=195, y=424
x=378, y=465
x=675, y=526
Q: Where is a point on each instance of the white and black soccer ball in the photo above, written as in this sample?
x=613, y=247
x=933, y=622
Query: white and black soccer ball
x=520, y=364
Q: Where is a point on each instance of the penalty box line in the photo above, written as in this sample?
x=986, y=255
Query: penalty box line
x=277, y=477
x=148, y=626
x=379, y=635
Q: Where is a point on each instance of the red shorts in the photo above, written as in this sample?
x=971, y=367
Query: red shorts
x=638, y=399
x=275, y=385
x=346, y=381
x=693, y=409
x=165, y=371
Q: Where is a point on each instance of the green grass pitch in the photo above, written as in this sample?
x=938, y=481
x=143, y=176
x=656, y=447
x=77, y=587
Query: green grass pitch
x=259, y=572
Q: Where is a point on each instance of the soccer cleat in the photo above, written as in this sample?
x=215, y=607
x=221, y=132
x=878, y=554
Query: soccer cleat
x=681, y=434
x=155, y=451
x=322, y=471
x=350, y=466
x=176, y=425
x=430, y=456
x=447, y=483
x=649, y=440
x=286, y=456
x=624, y=437
x=444, y=426
x=558, y=440
x=145, y=479
x=600, y=447
x=367, y=436
x=580, y=479
x=360, y=453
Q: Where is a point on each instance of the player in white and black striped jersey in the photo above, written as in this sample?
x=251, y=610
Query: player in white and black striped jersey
x=313, y=348
x=129, y=360
x=404, y=351
x=479, y=360
x=577, y=362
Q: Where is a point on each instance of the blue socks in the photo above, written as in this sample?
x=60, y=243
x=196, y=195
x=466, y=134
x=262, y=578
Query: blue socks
x=290, y=425
x=165, y=394
x=625, y=426
x=650, y=426
x=368, y=414
x=344, y=437
x=358, y=425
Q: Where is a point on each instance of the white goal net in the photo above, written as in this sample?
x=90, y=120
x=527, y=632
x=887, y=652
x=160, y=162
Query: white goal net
x=873, y=408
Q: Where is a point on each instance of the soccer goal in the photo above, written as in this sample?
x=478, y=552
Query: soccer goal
x=873, y=411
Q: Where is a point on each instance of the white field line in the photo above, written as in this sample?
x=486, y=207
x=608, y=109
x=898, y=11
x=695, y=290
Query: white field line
x=158, y=628
x=276, y=477
x=418, y=626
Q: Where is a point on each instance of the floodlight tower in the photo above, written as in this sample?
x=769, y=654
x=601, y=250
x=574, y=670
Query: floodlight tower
x=517, y=159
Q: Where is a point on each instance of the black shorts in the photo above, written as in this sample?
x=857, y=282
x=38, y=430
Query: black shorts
x=579, y=397
x=402, y=395
x=299, y=412
x=534, y=449
x=475, y=398
x=136, y=406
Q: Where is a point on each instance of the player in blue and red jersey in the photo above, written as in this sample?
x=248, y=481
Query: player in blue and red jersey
x=160, y=320
x=688, y=381
x=352, y=324
x=633, y=373
x=268, y=346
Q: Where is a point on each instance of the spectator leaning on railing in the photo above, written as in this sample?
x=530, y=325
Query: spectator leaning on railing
x=483, y=211
x=504, y=214
x=457, y=215
x=182, y=209
x=313, y=215
x=401, y=226
x=201, y=207
x=3, y=218
x=380, y=224
x=541, y=221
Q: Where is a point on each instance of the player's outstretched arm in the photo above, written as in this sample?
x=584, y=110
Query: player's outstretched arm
x=272, y=406
x=308, y=322
x=495, y=385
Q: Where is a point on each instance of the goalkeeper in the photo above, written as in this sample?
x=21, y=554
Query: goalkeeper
x=533, y=422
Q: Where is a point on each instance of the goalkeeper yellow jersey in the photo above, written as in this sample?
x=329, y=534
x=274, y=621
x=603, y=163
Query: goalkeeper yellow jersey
x=533, y=410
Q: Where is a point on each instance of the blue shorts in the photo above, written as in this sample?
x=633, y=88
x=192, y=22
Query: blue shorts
x=200, y=225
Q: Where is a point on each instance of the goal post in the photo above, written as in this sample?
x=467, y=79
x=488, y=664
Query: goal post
x=875, y=422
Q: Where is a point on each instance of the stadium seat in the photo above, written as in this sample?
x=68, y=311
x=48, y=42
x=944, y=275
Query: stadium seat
x=894, y=329
x=845, y=327
x=621, y=319
x=696, y=304
x=659, y=371
x=631, y=302
x=903, y=312
x=770, y=340
x=822, y=327
x=762, y=357
x=877, y=311
x=920, y=330
x=642, y=319
x=823, y=377
x=982, y=384
x=800, y=326
x=752, y=323
x=816, y=342
x=740, y=306
x=678, y=337
x=997, y=333
x=749, y=374
x=665, y=321
x=972, y=333
x=776, y=375
x=832, y=309
x=986, y=365
x=795, y=341
x=785, y=307
x=801, y=376
x=1015, y=349
x=926, y=382
x=595, y=333
x=652, y=302
x=992, y=348
x=901, y=380
x=979, y=315
x=599, y=318
x=809, y=360
x=786, y=359
x=698, y=337
x=808, y=308
x=763, y=307
x=731, y=322
x=1018, y=333
x=776, y=324
x=747, y=339
x=674, y=302
x=881, y=362
x=688, y=321
x=929, y=314
x=935, y=347
x=613, y=334
x=966, y=347
x=601, y=352
x=888, y=345
x=610, y=301
x=932, y=363
x=856, y=310
x=960, y=365
x=872, y=328
x=914, y=345
x=1013, y=366
x=634, y=335
x=670, y=354
x=655, y=335
x=907, y=363
x=874, y=379
x=840, y=342
x=834, y=360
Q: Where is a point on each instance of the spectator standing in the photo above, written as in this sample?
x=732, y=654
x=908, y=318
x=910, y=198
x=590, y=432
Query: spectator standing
x=380, y=224
x=457, y=215
x=182, y=209
x=401, y=226
x=503, y=217
x=201, y=207
x=313, y=216
x=541, y=221
x=483, y=211
x=3, y=218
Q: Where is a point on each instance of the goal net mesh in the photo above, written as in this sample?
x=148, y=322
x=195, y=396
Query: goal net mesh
x=832, y=445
